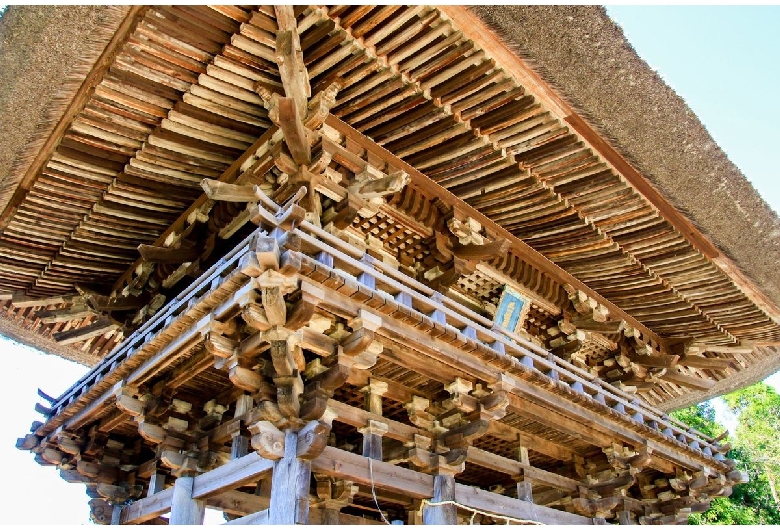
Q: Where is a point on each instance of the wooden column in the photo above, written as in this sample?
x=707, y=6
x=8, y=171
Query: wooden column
x=240, y=444
x=334, y=495
x=372, y=439
x=116, y=515
x=625, y=517
x=524, y=486
x=239, y=447
x=443, y=490
x=156, y=484
x=373, y=432
x=290, y=486
x=184, y=509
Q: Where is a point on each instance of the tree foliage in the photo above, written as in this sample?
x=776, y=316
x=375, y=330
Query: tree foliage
x=756, y=450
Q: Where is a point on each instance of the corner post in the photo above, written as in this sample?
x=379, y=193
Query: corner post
x=290, y=486
x=443, y=490
x=184, y=509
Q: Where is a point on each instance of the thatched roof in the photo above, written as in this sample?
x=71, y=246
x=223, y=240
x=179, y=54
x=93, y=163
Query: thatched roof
x=578, y=51
x=45, y=54
x=581, y=52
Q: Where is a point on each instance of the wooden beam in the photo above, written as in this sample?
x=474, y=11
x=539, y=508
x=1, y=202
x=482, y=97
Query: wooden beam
x=147, y=508
x=251, y=519
x=99, y=327
x=316, y=517
x=707, y=363
x=349, y=466
x=697, y=383
x=76, y=312
x=289, y=57
x=237, y=503
x=232, y=475
x=359, y=418
x=514, y=467
x=157, y=254
x=19, y=300
x=532, y=441
x=515, y=508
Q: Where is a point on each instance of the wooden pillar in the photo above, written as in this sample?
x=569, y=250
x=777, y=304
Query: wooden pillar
x=184, y=509
x=373, y=432
x=116, y=515
x=374, y=392
x=290, y=486
x=240, y=444
x=372, y=439
x=414, y=513
x=239, y=447
x=524, y=487
x=334, y=495
x=625, y=517
x=443, y=490
x=156, y=484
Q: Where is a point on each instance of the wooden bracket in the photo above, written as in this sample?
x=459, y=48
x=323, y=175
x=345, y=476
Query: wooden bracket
x=313, y=438
x=267, y=440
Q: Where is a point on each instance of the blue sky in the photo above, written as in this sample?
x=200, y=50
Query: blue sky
x=722, y=60
x=725, y=62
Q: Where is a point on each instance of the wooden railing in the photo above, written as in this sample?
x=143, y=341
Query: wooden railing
x=353, y=265
x=206, y=282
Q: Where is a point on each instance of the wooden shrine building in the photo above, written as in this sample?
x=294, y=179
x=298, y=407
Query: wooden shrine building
x=360, y=264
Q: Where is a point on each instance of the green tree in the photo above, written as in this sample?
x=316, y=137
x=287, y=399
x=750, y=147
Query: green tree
x=758, y=433
x=701, y=417
x=756, y=451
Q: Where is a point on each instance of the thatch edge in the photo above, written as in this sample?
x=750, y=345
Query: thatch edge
x=758, y=371
x=739, y=210
x=91, y=49
x=765, y=223
x=13, y=330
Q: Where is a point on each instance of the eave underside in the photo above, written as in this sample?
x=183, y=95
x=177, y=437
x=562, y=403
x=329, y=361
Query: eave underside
x=174, y=108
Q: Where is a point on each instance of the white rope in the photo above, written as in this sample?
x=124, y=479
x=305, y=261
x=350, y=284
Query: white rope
x=476, y=511
x=373, y=490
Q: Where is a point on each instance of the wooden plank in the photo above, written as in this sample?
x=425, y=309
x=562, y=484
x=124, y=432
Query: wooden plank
x=100, y=327
x=514, y=467
x=232, y=475
x=251, y=519
x=515, y=508
x=532, y=441
x=349, y=466
x=237, y=503
x=147, y=508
